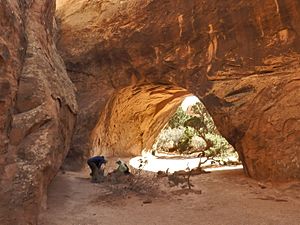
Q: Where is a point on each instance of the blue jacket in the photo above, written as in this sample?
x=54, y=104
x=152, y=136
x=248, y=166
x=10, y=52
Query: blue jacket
x=98, y=160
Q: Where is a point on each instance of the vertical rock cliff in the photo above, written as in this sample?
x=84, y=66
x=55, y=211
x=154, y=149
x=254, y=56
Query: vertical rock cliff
x=37, y=108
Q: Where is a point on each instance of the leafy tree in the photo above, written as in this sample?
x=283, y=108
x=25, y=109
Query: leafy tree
x=168, y=139
x=184, y=144
x=178, y=119
x=198, y=124
x=201, y=112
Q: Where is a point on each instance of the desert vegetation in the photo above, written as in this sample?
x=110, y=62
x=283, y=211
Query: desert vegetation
x=193, y=133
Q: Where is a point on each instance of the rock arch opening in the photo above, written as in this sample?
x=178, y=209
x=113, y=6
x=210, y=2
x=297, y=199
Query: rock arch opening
x=189, y=140
x=134, y=118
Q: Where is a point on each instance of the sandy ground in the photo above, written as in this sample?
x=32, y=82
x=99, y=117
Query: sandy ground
x=156, y=164
x=227, y=197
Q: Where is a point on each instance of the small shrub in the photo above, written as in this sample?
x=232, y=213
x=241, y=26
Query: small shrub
x=193, y=133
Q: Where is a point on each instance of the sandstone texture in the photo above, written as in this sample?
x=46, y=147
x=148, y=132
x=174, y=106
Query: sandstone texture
x=37, y=108
x=241, y=58
x=133, y=117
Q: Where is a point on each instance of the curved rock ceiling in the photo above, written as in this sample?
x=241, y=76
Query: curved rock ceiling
x=133, y=118
x=241, y=58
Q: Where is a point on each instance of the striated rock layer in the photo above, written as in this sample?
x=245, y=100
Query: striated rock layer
x=240, y=57
x=37, y=108
x=133, y=117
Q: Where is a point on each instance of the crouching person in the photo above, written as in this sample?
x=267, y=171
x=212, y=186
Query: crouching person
x=97, y=172
x=118, y=174
x=122, y=168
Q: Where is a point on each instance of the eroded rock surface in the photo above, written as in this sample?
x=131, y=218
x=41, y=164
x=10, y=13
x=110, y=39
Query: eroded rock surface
x=37, y=108
x=133, y=118
x=240, y=57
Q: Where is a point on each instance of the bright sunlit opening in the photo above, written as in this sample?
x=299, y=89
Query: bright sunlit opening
x=162, y=160
x=188, y=101
x=155, y=164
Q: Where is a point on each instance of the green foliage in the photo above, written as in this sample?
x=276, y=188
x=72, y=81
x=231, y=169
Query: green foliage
x=207, y=121
x=198, y=124
x=168, y=139
x=178, y=119
x=220, y=146
x=184, y=143
x=192, y=133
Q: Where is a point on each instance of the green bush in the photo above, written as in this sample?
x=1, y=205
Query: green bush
x=193, y=133
x=178, y=119
x=168, y=139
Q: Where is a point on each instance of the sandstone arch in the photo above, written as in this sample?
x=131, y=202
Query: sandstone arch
x=240, y=58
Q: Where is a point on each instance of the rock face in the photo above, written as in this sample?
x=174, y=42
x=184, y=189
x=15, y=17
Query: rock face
x=133, y=117
x=37, y=108
x=240, y=57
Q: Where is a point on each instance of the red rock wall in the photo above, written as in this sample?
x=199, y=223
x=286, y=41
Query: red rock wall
x=37, y=108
